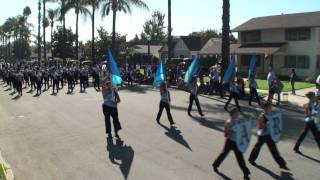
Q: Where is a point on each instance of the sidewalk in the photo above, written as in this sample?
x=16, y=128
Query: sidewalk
x=299, y=99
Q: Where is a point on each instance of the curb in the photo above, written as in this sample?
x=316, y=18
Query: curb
x=7, y=169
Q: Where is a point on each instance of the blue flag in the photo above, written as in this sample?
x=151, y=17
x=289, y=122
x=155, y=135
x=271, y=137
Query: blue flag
x=160, y=74
x=252, y=67
x=115, y=73
x=192, y=70
x=228, y=74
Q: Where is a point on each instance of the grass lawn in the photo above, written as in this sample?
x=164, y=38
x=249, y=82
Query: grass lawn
x=2, y=172
x=263, y=85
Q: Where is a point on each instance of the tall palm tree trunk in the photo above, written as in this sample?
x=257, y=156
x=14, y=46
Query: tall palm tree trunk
x=169, y=32
x=51, y=32
x=225, y=37
x=39, y=28
x=77, y=36
x=44, y=30
x=92, y=42
x=114, y=19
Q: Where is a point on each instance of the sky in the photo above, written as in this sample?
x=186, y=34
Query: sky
x=187, y=15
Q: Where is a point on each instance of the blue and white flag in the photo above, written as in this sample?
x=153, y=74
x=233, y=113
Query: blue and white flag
x=252, y=67
x=115, y=72
x=275, y=125
x=231, y=68
x=160, y=74
x=317, y=120
x=243, y=131
x=192, y=70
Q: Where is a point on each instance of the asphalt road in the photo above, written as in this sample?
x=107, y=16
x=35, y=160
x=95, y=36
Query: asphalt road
x=63, y=137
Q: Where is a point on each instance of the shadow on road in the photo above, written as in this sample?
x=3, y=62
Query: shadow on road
x=310, y=158
x=175, y=134
x=121, y=155
x=16, y=97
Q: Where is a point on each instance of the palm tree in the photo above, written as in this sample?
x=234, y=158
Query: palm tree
x=119, y=5
x=169, y=31
x=39, y=28
x=61, y=14
x=225, y=49
x=44, y=24
x=80, y=8
x=94, y=5
x=52, y=15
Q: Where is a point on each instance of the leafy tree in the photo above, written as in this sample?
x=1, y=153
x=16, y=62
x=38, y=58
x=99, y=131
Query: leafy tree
x=119, y=6
x=206, y=34
x=153, y=29
x=79, y=7
x=63, y=45
x=21, y=49
x=52, y=15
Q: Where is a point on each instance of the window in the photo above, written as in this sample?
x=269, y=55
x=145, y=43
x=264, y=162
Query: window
x=300, y=62
x=300, y=34
x=246, y=59
x=251, y=36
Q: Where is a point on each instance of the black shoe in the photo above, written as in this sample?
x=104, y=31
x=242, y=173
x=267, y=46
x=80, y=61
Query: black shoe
x=215, y=168
x=252, y=163
x=109, y=135
x=172, y=123
x=201, y=114
x=284, y=167
x=189, y=114
x=225, y=108
x=246, y=177
x=296, y=150
x=117, y=136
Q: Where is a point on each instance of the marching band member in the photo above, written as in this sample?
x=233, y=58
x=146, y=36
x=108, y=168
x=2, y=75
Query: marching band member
x=265, y=137
x=194, y=97
x=164, y=103
x=234, y=94
x=253, y=89
x=111, y=99
x=230, y=144
x=310, y=111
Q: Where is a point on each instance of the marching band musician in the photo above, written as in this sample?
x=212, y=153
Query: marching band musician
x=230, y=144
x=310, y=111
x=264, y=136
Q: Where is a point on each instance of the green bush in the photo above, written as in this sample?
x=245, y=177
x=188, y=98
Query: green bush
x=311, y=79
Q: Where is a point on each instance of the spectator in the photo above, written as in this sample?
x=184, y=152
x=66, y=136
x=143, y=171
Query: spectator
x=293, y=78
x=318, y=81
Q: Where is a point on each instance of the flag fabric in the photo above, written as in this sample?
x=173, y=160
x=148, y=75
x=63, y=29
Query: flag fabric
x=192, y=70
x=231, y=68
x=115, y=72
x=252, y=67
x=160, y=74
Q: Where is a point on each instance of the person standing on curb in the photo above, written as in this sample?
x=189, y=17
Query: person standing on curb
x=293, y=78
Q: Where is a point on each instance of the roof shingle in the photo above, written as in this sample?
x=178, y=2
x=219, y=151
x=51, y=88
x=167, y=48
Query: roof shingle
x=309, y=19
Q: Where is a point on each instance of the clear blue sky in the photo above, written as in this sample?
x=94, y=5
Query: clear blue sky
x=187, y=15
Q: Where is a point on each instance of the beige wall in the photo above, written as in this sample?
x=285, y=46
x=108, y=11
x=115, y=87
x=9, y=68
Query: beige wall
x=309, y=48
